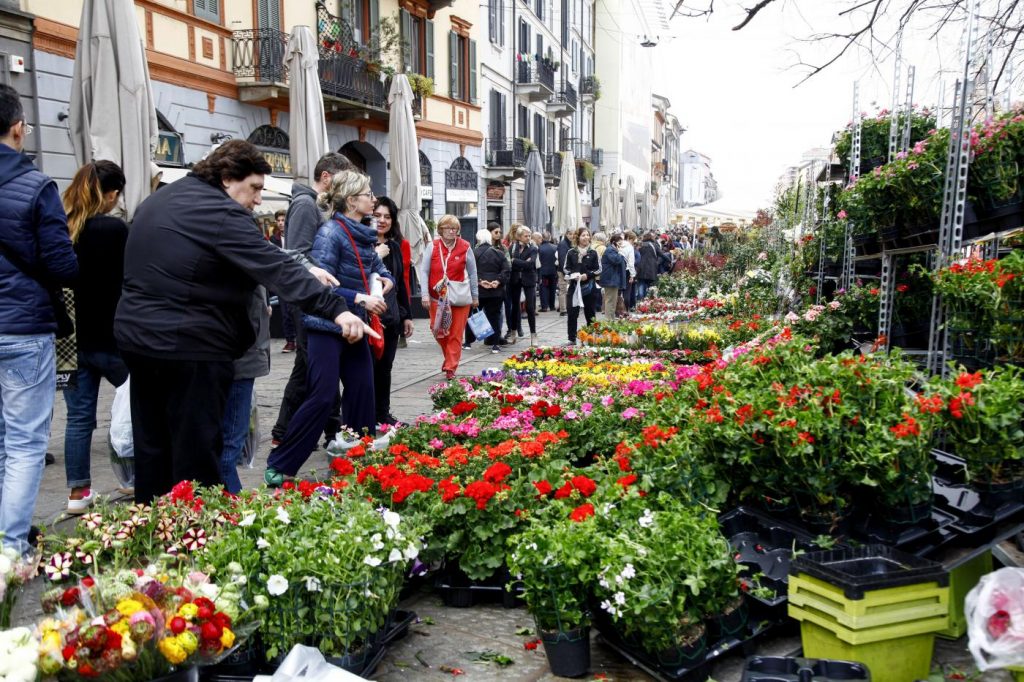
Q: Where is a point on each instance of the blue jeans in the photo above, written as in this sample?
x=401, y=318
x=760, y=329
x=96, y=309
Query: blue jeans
x=81, y=401
x=236, y=430
x=28, y=382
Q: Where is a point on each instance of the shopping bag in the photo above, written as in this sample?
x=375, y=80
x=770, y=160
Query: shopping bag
x=480, y=325
x=577, y=295
x=252, y=438
x=121, y=421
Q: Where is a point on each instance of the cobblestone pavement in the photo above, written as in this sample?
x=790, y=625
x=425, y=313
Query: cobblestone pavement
x=447, y=636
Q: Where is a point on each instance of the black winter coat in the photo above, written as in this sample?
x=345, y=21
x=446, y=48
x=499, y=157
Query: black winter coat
x=491, y=264
x=589, y=265
x=647, y=268
x=192, y=262
x=524, y=264
x=548, y=259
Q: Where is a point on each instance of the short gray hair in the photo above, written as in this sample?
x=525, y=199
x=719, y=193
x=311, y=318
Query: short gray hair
x=483, y=237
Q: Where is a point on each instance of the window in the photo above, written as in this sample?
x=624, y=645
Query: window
x=496, y=21
x=523, y=122
x=538, y=132
x=496, y=111
x=540, y=46
x=418, y=38
x=207, y=9
x=551, y=136
x=268, y=14
x=566, y=20
x=462, y=67
x=363, y=15
x=539, y=9
x=524, y=37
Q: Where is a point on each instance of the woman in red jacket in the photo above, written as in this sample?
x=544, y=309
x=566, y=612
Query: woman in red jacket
x=449, y=270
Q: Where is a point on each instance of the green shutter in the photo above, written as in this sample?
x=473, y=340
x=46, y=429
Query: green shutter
x=207, y=9
x=374, y=15
x=453, y=67
x=429, y=30
x=405, y=25
x=472, y=71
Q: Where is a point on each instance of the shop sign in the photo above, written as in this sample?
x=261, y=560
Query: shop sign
x=461, y=196
x=426, y=193
x=170, y=151
x=280, y=161
x=495, y=192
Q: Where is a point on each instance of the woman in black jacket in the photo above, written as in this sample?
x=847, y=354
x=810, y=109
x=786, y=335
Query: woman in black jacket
x=492, y=271
x=582, y=267
x=523, y=254
x=398, y=319
x=99, y=241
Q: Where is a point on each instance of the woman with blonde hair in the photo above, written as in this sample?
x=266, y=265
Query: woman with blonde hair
x=99, y=241
x=523, y=282
x=345, y=247
x=449, y=269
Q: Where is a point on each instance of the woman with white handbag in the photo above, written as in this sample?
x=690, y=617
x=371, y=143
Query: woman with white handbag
x=449, y=269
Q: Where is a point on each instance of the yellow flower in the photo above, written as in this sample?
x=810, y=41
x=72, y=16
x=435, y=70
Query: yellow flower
x=126, y=607
x=188, y=611
x=51, y=640
x=172, y=650
x=128, y=649
x=227, y=638
x=121, y=627
x=188, y=641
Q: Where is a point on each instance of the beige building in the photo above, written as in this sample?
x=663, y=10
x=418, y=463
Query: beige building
x=218, y=72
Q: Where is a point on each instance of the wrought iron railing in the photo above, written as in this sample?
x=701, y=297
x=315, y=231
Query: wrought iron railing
x=553, y=164
x=334, y=34
x=343, y=72
x=535, y=72
x=258, y=53
x=569, y=96
x=505, y=153
x=589, y=86
x=582, y=150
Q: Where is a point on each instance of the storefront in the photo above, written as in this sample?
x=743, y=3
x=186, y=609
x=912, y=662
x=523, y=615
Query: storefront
x=461, y=188
x=426, y=189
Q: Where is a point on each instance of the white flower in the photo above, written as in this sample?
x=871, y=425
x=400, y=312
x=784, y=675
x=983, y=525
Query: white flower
x=647, y=520
x=376, y=541
x=628, y=572
x=604, y=583
x=262, y=544
x=610, y=608
x=282, y=516
x=312, y=584
x=392, y=518
x=620, y=598
x=5, y=565
x=371, y=561
x=395, y=555
x=276, y=585
x=247, y=521
x=411, y=552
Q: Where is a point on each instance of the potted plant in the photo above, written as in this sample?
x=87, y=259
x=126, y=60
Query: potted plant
x=985, y=414
x=875, y=136
x=422, y=86
x=993, y=178
x=557, y=565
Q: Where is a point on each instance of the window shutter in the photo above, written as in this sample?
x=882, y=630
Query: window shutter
x=374, y=14
x=453, y=66
x=207, y=9
x=492, y=20
x=540, y=46
x=405, y=25
x=429, y=30
x=472, y=71
x=502, y=114
x=501, y=22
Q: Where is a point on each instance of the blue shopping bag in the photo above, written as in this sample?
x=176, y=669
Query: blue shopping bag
x=480, y=325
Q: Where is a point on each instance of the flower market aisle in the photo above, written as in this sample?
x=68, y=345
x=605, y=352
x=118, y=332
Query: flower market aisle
x=583, y=458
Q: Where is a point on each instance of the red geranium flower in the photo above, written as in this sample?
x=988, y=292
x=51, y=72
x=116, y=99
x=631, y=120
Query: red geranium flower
x=627, y=481
x=564, y=491
x=531, y=645
x=497, y=472
x=481, y=492
x=543, y=487
x=342, y=466
x=585, y=485
x=968, y=381
x=582, y=512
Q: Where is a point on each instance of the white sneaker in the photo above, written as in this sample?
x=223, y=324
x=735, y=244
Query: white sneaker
x=80, y=506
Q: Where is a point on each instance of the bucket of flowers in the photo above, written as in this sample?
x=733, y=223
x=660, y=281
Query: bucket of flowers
x=15, y=571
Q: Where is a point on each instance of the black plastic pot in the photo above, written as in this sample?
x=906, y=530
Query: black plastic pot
x=730, y=624
x=783, y=669
x=686, y=654
x=995, y=495
x=870, y=567
x=866, y=244
x=186, y=675
x=568, y=652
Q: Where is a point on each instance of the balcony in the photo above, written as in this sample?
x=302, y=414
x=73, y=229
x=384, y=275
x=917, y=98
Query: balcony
x=535, y=80
x=590, y=89
x=257, y=59
x=504, y=158
x=564, y=102
x=581, y=149
x=553, y=166
x=351, y=84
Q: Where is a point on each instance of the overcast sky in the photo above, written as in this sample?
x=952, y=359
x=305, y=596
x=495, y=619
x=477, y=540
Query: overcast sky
x=734, y=90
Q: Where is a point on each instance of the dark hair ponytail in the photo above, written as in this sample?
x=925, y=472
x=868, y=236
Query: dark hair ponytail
x=85, y=197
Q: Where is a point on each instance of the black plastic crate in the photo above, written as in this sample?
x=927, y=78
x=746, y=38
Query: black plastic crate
x=871, y=567
x=977, y=512
x=787, y=669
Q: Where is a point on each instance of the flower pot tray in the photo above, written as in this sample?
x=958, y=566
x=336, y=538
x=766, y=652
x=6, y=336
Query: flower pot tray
x=745, y=642
x=765, y=545
x=787, y=669
x=878, y=529
x=977, y=514
x=362, y=664
x=459, y=591
x=397, y=626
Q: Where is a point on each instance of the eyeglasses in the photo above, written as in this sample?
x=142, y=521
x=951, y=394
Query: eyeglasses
x=365, y=194
x=28, y=129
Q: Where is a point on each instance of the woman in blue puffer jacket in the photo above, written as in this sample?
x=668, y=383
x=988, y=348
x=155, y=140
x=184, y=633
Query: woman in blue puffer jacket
x=345, y=248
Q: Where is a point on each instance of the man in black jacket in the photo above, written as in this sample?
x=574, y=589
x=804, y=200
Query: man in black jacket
x=548, y=273
x=192, y=262
x=301, y=224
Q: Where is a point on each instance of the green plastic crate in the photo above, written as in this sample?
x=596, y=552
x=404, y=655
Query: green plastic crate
x=961, y=580
x=900, y=659
x=891, y=609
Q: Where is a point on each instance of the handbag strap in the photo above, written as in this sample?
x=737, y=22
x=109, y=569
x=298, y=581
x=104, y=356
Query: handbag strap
x=359, y=259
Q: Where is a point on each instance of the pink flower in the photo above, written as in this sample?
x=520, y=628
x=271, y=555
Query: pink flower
x=436, y=443
x=792, y=317
x=841, y=215
x=607, y=401
x=630, y=413
x=587, y=408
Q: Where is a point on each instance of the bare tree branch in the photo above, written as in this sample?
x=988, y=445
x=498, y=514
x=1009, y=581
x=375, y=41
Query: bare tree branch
x=751, y=13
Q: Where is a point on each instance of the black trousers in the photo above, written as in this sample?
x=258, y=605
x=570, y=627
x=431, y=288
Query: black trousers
x=492, y=309
x=514, y=290
x=548, y=289
x=177, y=415
x=589, y=308
x=295, y=390
x=382, y=372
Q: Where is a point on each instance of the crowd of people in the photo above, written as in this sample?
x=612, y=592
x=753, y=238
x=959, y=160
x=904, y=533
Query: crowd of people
x=179, y=303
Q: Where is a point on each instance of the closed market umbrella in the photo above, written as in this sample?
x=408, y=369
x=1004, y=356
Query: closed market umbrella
x=405, y=166
x=535, y=205
x=615, y=215
x=606, y=203
x=112, y=113
x=307, y=138
x=567, y=202
x=661, y=212
x=630, y=219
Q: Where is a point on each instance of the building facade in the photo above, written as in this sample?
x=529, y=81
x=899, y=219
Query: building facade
x=538, y=88
x=698, y=185
x=218, y=72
